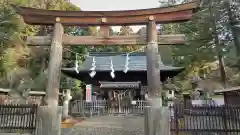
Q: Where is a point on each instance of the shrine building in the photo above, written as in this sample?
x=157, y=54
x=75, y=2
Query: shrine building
x=133, y=80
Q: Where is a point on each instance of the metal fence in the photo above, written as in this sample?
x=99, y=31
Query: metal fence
x=18, y=118
x=205, y=120
x=102, y=107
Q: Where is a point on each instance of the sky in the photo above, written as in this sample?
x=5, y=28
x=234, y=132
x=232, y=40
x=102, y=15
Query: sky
x=103, y=5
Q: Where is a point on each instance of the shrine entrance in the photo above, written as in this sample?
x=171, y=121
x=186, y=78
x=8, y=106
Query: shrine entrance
x=107, y=107
x=124, y=93
x=120, y=101
x=149, y=73
x=112, y=98
x=120, y=94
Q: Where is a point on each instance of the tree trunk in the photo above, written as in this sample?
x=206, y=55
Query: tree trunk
x=235, y=30
x=216, y=41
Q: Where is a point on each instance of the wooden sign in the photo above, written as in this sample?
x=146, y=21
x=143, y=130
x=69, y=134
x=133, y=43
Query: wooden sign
x=88, y=93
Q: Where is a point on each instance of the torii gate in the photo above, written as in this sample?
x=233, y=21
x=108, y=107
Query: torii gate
x=104, y=19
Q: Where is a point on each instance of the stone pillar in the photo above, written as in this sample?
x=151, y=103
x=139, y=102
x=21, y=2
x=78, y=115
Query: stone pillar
x=66, y=98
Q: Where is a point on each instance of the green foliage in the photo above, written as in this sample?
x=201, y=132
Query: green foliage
x=9, y=29
x=13, y=53
x=199, y=39
x=8, y=25
x=200, y=52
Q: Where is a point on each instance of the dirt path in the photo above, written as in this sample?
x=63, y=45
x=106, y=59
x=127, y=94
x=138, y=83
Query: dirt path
x=108, y=125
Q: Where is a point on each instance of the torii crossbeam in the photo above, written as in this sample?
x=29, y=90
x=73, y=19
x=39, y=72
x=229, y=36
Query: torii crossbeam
x=176, y=13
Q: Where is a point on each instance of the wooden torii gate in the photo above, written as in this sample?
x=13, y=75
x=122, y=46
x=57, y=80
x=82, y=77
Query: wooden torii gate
x=104, y=19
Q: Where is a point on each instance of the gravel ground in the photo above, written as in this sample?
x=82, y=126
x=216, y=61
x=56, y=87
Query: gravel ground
x=108, y=125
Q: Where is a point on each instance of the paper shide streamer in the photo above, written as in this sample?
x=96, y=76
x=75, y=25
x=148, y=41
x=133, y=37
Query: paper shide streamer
x=76, y=64
x=112, y=73
x=93, y=73
x=126, y=63
x=112, y=69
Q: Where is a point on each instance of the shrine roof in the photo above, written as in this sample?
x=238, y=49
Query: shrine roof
x=137, y=62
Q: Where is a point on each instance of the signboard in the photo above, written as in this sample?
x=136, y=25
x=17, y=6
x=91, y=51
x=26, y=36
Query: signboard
x=88, y=93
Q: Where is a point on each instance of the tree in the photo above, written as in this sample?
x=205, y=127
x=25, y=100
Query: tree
x=125, y=30
x=232, y=10
x=213, y=15
x=14, y=53
x=201, y=49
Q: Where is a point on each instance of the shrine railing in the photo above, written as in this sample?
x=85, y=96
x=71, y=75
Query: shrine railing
x=103, y=107
x=205, y=119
